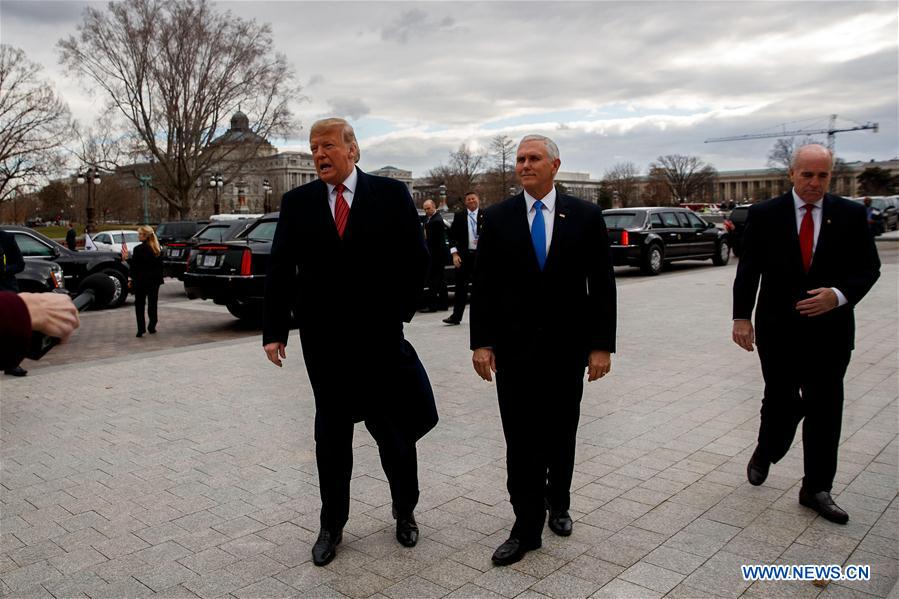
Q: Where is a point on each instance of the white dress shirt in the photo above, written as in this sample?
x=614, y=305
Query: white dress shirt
x=549, y=212
x=472, y=230
x=350, y=185
x=817, y=215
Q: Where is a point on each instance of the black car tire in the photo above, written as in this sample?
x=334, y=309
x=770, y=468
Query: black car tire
x=722, y=254
x=653, y=260
x=121, y=288
x=245, y=311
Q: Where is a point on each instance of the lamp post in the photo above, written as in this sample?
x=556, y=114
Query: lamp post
x=91, y=176
x=144, y=181
x=216, y=182
x=442, y=190
x=267, y=196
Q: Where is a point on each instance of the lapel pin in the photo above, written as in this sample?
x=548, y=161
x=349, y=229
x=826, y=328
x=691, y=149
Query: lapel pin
x=828, y=221
x=561, y=215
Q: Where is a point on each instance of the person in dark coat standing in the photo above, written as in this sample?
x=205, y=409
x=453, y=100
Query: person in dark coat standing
x=146, y=277
x=815, y=259
x=543, y=309
x=464, y=233
x=71, y=236
x=437, y=298
x=348, y=262
x=12, y=263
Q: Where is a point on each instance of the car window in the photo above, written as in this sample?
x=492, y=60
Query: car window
x=117, y=237
x=129, y=237
x=879, y=203
x=29, y=246
x=669, y=220
x=695, y=221
x=264, y=230
x=682, y=219
x=213, y=233
x=623, y=220
x=102, y=238
x=655, y=220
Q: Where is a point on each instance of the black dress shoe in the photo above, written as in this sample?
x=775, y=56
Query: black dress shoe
x=140, y=334
x=407, y=531
x=427, y=310
x=512, y=551
x=452, y=320
x=823, y=503
x=757, y=468
x=17, y=371
x=325, y=547
x=560, y=523
x=151, y=330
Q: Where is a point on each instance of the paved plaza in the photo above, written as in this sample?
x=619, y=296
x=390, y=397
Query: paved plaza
x=190, y=472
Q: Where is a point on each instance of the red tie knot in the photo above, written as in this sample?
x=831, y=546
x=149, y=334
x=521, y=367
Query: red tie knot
x=340, y=187
x=809, y=207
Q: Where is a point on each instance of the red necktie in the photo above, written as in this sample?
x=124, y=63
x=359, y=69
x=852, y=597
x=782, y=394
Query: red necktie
x=807, y=236
x=341, y=210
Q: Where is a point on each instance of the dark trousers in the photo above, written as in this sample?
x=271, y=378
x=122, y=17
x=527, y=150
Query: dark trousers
x=803, y=384
x=463, y=277
x=540, y=408
x=334, y=456
x=437, y=297
x=146, y=296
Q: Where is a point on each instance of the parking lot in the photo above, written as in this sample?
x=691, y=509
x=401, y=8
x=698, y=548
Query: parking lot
x=181, y=465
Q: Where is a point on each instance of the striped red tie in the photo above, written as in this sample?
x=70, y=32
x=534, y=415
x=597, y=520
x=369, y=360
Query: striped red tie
x=341, y=210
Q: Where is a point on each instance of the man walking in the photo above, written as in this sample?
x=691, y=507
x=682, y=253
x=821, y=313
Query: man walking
x=348, y=262
x=815, y=260
x=543, y=309
x=464, y=234
x=437, y=298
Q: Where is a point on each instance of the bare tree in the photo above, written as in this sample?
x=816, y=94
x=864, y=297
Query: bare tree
x=502, y=154
x=621, y=179
x=34, y=123
x=782, y=153
x=687, y=177
x=174, y=71
x=460, y=175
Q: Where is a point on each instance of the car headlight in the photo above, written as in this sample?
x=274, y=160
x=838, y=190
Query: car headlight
x=58, y=279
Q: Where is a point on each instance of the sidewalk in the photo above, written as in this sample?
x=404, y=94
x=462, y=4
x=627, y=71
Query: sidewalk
x=191, y=472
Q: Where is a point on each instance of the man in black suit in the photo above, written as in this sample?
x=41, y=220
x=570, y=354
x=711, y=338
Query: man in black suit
x=816, y=261
x=437, y=298
x=542, y=309
x=348, y=261
x=464, y=233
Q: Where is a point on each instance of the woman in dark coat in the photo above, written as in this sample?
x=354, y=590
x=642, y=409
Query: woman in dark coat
x=146, y=277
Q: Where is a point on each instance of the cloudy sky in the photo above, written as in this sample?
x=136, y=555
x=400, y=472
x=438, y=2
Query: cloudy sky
x=609, y=81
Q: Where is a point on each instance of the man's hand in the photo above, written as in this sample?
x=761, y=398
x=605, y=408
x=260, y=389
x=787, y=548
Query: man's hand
x=484, y=362
x=275, y=352
x=53, y=314
x=598, y=365
x=823, y=300
x=743, y=334
x=457, y=260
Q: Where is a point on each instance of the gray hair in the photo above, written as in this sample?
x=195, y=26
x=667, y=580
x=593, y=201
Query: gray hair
x=349, y=136
x=795, y=155
x=551, y=148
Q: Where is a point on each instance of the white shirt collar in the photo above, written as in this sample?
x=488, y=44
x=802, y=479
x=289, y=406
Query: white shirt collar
x=349, y=183
x=549, y=200
x=798, y=202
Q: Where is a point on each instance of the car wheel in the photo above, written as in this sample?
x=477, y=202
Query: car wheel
x=653, y=260
x=722, y=254
x=120, y=282
x=245, y=311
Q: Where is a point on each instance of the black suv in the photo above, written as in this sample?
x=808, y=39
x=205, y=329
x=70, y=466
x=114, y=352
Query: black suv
x=735, y=224
x=176, y=253
x=650, y=237
x=75, y=265
x=40, y=276
x=232, y=273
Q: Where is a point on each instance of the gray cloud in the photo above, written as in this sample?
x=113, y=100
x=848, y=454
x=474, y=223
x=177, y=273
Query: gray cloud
x=350, y=108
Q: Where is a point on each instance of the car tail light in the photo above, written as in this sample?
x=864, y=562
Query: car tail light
x=176, y=245
x=213, y=248
x=246, y=263
x=625, y=238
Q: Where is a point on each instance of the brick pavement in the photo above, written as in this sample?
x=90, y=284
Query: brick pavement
x=189, y=472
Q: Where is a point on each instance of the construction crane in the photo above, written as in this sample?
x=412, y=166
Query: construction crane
x=831, y=132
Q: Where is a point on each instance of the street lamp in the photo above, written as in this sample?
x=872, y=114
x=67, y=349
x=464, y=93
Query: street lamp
x=144, y=181
x=216, y=182
x=267, y=195
x=442, y=190
x=91, y=176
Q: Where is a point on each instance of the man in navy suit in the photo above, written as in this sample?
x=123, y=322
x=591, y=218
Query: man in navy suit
x=348, y=262
x=543, y=309
x=464, y=234
x=815, y=260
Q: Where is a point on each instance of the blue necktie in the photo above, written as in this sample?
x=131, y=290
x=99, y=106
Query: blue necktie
x=538, y=234
x=473, y=227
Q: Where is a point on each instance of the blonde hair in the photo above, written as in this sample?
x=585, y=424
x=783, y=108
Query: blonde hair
x=349, y=136
x=151, y=238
